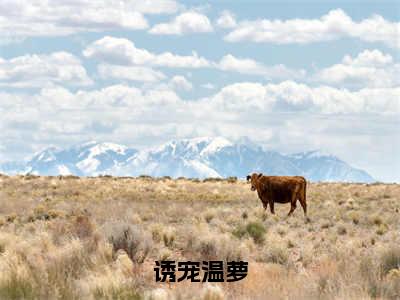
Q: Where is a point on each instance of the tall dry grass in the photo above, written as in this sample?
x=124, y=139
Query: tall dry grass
x=97, y=238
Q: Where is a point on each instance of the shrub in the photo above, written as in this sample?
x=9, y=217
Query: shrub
x=209, y=215
x=16, y=287
x=232, y=179
x=355, y=217
x=11, y=218
x=382, y=229
x=131, y=239
x=164, y=254
x=341, y=230
x=377, y=220
x=169, y=237
x=156, y=232
x=208, y=248
x=83, y=227
x=212, y=179
x=276, y=254
x=256, y=230
x=390, y=260
x=239, y=232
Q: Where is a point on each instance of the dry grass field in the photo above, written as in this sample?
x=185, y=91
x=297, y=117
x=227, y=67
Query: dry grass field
x=98, y=238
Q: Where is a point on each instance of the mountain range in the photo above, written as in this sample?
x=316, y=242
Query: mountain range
x=194, y=158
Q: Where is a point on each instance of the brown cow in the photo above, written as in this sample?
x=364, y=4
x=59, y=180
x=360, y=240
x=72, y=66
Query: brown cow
x=280, y=189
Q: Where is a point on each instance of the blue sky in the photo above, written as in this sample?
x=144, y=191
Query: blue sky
x=292, y=75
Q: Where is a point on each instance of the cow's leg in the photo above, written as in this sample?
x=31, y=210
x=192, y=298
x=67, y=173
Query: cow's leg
x=304, y=205
x=302, y=198
x=292, y=208
x=265, y=204
x=293, y=204
x=271, y=207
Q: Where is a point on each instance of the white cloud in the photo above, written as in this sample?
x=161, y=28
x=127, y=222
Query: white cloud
x=133, y=73
x=154, y=6
x=187, y=22
x=369, y=58
x=180, y=82
x=370, y=68
x=115, y=96
x=237, y=99
x=29, y=18
x=226, y=20
x=250, y=66
x=334, y=25
x=123, y=51
x=292, y=96
x=242, y=65
x=43, y=70
x=288, y=116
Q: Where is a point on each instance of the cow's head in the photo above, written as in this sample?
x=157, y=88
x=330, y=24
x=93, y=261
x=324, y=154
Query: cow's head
x=254, y=180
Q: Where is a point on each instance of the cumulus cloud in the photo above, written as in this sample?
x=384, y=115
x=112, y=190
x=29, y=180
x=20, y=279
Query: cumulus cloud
x=226, y=20
x=239, y=99
x=131, y=73
x=185, y=23
x=250, y=66
x=334, y=25
x=123, y=51
x=291, y=96
x=244, y=65
x=28, y=18
x=370, y=68
x=369, y=58
x=180, y=82
x=43, y=70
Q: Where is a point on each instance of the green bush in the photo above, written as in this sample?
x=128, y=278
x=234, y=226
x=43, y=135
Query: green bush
x=239, y=232
x=256, y=230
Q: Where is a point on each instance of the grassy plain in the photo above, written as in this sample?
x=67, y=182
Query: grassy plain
x=98, y=238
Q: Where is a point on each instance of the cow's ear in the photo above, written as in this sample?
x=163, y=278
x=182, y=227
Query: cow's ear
x=248, y=177
x=259, y=175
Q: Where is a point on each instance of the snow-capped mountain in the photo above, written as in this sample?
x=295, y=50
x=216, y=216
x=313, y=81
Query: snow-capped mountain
x=88, y=159
x=198, y=157
x=319, y=166
x=187, y=157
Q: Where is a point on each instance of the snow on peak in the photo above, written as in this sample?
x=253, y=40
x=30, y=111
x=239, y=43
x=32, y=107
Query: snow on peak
x=96, y=148
x=216, y=144
x=91, y=162
x=104, y=147
x=46, y=155
x=202, y=169
x=199, y=145
x=312, y=154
